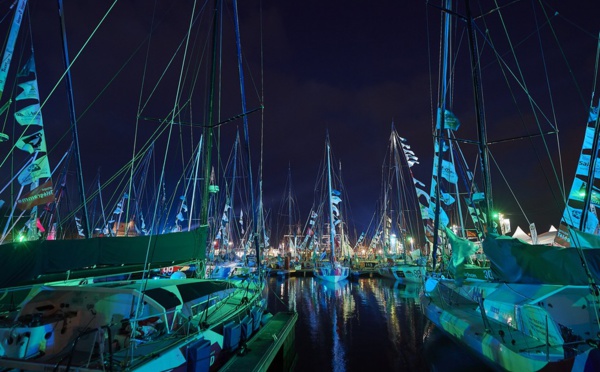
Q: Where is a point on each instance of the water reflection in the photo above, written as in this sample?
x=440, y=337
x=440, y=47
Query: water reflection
x=353, y=326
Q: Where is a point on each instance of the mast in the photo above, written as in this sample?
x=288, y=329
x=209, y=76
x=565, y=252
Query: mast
x=330, y=190
x=400, y=218
x=441, y=124
x=73, y=116
x=290, y=208
x=246, y=134
x=208, y=130
x=233, y=176
x=481, y=130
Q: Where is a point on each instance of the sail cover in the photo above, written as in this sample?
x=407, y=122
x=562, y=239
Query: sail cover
x=514, y=261
x=29, y=261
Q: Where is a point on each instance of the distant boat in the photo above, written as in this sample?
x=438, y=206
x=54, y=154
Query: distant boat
x=400, y=225
x=540, y=309
x=333, y=270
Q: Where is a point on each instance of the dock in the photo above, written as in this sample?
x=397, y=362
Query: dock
x=272, y=348
x=302, y=272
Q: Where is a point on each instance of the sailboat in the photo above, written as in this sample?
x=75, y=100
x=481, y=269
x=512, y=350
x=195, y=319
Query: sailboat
x=400, y=222
x=334, y=270
x=73, y=303
x=287, y=258
x=231, y=243
x=540, y=311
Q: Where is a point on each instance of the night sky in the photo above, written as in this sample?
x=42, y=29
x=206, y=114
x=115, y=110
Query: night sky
x=347, y=67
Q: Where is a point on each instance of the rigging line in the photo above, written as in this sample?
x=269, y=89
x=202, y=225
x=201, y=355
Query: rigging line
x=553, y=167
x=499, y=58
x=120, y=171
x=557, y=13
x=533, y=104
x=561, y=176
x=149, y=251
x=137, y=121
x=191, y=124
x=509, y=188
x=567, y=63
x=160, y=79
x=68, y=69
x=133, y=54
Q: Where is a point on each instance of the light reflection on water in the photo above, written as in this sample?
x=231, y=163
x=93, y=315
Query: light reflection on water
x=365, y=325
x=353, y=325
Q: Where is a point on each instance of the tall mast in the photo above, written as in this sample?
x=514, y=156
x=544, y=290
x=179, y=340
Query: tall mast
x=73, y=116
x=441, y=125
x=246, y=134
x=208, y=129
x=330, y=190
x=481, y=130
x=233, y=176
x=290, y=207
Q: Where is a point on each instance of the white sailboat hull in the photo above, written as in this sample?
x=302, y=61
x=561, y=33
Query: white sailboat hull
x=134, y=325
x=330, y=274
x=404, y=273
x=522, y=327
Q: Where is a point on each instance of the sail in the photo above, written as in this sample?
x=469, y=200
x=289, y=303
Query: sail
x=574, y=216
x=461, y=250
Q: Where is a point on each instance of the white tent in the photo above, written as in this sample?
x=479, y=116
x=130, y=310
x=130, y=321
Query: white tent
x=546, y=238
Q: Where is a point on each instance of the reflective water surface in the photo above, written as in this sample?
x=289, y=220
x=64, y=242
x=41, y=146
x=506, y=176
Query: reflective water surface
x=352, y=325
x=364, y=325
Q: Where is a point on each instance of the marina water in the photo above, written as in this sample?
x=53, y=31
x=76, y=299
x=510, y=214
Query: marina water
x=368, y=324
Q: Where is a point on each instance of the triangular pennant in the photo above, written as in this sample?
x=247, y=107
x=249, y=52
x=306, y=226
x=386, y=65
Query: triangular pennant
x=28, y=68
x=30, y=115
x=39, y=168
x=32, y=143
x=30, y=91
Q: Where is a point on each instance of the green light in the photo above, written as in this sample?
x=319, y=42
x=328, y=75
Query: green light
x=21, y=238
x=582, y=193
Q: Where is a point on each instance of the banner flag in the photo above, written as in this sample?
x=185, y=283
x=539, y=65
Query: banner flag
x=43, y=194
x=40, y=168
